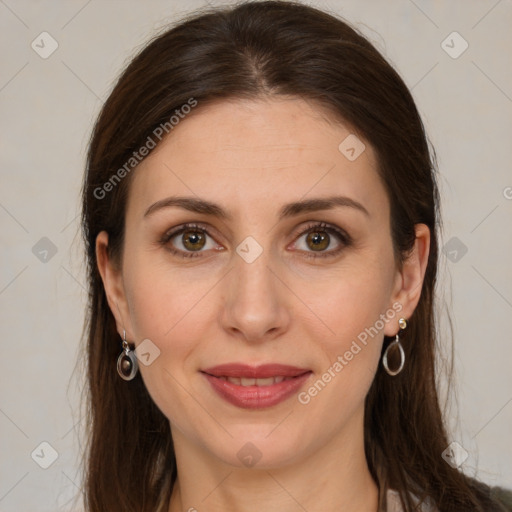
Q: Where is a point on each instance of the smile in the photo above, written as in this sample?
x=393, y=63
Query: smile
x=258, y=387
x=244, y=381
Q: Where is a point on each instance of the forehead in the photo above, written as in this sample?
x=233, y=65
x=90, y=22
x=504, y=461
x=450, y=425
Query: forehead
x=259, y=152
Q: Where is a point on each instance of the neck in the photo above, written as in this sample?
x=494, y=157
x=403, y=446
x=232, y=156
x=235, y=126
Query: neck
x=334, y=477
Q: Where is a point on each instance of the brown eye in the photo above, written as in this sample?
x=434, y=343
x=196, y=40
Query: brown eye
x=188, y=240
x=193, y=240
x=318, y=240
x=319, y=237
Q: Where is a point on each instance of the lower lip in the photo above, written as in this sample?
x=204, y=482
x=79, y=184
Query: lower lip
x=256, y=397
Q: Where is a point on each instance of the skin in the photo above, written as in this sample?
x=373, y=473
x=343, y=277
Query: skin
x=252, y=157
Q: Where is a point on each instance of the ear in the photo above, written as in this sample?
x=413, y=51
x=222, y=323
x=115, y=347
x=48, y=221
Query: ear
x=112, y=279
x=409, y=279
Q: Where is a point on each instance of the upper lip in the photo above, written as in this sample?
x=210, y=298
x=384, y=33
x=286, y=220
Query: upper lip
x=255, y=372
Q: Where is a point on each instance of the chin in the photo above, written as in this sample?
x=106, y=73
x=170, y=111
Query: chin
x=254, y=449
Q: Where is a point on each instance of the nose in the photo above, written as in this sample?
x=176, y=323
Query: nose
x=256, y=307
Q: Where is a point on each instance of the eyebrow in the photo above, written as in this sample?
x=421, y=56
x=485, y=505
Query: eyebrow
x=205, y=207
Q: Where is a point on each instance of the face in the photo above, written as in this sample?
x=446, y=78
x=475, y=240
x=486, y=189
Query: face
x=290, y=262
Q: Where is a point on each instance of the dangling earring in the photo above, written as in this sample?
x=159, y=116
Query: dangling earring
x=395, y=344
x=127, y=362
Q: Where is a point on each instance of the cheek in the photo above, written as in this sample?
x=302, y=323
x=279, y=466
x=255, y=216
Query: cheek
x=350, y=356
x=354, y=308
x=175, y=310
x=164, y=298
x=350, y=302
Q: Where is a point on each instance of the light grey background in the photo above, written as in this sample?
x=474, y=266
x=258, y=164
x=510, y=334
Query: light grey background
x=47, y=107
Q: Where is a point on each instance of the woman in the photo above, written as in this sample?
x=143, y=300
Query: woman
x=260, y=217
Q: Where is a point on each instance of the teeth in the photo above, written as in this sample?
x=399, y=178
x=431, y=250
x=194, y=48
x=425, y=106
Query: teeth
x=243, y=381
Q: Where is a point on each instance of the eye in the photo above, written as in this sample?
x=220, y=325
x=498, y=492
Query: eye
x=192, y=240
x=319, y=238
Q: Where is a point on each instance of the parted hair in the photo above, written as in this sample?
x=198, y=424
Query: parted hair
x=248, y=51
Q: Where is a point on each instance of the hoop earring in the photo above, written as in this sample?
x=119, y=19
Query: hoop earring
x=127, y=365
x=396, y=343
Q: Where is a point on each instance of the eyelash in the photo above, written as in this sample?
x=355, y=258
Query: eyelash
x=345, y=239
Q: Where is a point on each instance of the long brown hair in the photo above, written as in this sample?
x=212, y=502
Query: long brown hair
x=247, y=51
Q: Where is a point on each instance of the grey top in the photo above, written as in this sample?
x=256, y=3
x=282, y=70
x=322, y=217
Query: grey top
x=504, y=496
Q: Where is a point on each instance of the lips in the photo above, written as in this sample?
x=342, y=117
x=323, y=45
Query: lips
x=248, y=381
x=255, y=387
x=255, y=372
